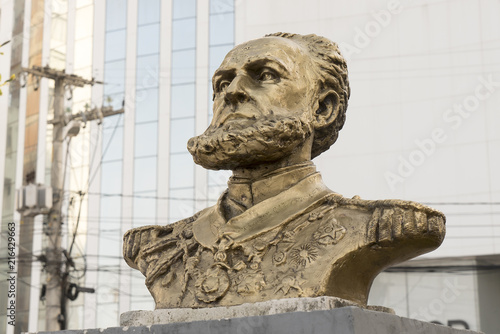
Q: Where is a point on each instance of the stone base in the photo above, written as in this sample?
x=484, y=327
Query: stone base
x=277, y=306
x=345, y=320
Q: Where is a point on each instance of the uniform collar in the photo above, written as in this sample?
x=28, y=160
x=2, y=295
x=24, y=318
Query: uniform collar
x=268, y=214
x=247, y=192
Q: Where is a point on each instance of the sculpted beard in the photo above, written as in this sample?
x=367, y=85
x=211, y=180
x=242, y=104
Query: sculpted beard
x=235, y=145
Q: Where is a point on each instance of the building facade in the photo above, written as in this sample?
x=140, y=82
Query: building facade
x=421, y=125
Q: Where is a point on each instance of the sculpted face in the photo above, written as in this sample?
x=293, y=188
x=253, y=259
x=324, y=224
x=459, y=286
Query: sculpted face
x=263, y=77
x=263, y=102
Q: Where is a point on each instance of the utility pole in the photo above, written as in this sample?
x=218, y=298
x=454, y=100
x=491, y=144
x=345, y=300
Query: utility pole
x=57, y=285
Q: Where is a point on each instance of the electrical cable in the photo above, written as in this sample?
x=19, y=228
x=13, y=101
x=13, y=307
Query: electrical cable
x=443, y=268
x=82, y=194
x=77, y=224
x=215, y=199
x=91, y=179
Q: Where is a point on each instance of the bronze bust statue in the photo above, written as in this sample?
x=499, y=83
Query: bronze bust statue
x=277, y=231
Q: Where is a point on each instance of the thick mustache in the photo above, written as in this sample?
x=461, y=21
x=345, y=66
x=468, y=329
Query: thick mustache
x=236, y=110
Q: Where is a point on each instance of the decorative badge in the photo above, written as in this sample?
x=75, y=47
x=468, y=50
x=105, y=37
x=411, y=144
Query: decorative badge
x=212, y=285
x=279, y=258
x=329, y=233
x=250, y=282
x=304, y=254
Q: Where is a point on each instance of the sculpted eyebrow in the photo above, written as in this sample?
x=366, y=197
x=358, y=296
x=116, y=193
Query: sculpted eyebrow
x=266, y=62
x=221, y=73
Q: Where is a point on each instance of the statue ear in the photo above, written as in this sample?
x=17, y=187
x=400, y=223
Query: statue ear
x=328, y=109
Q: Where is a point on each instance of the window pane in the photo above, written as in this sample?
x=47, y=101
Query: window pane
x=181, y=171
x=181, y=204
x=116, y=14
x=111, y=177
x=218, y=177
x=107, y=296
x=148, y=39
x=221, y=28
x=183, y=101
x=140, y=298
x=83, y=3
x=217, y=184
x=181, y=130
x=147, y=72
x=148, y=11
x=83, y=53
x=110, y=210
x=112, y=144
x=183, y=66
x=217, y=54
x=210, y=107
x=221, y=6
x=184, y=34
x=114, y=77
x=115, y=45
x=146, y=105
x=184, y=8
x=145, y=174
x=144, y=209
x=107, y=252
x=146, y=139
x=83, y=20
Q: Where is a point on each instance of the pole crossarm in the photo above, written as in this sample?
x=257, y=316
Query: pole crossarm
x=96, y=113
x=69, y=79
x=89, y=115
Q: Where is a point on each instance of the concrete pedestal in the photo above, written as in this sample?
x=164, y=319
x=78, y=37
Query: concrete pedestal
x=275, y=306
x=344, y=320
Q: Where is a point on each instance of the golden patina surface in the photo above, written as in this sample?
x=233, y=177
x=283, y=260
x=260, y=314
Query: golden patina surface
x=277, y=231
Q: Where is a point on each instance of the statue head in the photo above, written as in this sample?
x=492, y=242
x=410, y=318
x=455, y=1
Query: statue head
x=274, y=98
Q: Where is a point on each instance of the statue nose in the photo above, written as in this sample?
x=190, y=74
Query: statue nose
x=236, y=92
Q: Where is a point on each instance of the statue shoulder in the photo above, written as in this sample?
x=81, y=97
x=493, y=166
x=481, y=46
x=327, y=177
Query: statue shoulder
x=142, y=244
x=356, y=201
x=392, y=220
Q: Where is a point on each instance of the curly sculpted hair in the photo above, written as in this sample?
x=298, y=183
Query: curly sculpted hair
x=331, y=72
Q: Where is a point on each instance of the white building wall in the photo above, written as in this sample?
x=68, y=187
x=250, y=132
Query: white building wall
x=448, y=298
x=412, y=65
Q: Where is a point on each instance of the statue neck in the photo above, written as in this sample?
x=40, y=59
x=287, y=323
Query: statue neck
x=243, y=193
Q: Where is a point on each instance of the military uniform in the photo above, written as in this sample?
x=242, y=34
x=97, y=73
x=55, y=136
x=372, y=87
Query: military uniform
x=301, y=240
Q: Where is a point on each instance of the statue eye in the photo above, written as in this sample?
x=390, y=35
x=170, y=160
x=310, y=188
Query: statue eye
x=223, y=85
x=267, y=75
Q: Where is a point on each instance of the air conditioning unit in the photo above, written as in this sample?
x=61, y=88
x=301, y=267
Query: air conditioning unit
x=44, y=201
x=34, y=200
x=30, y=196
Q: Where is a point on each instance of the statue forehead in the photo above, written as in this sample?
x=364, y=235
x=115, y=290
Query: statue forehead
x=282, y=49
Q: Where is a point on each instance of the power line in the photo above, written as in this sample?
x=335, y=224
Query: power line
x=443, y=268
x=215, y=199
x=461, y=203
x=91, y=179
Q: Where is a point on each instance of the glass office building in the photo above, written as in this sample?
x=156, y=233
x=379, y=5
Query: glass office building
x=154, y=59
x=421, y=125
